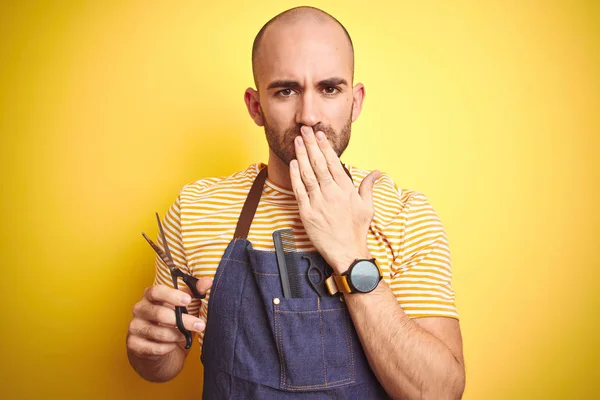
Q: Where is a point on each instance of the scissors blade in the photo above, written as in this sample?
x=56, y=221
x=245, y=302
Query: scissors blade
x=166, y=259
x=164, y=239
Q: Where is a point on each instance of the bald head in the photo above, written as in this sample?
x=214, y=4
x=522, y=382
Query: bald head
x=274, y=33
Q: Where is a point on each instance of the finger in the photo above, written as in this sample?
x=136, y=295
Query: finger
x=316, y=157
x=145, y=348
x=333, y=162
x=298, y=186
x=166, y=316
x=366, y=186
x=168, y=305
x=161, y=293
x=156, y=333
x=184, y=288
x=306, y=172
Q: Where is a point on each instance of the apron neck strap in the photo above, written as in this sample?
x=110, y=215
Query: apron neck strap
x=251, y=204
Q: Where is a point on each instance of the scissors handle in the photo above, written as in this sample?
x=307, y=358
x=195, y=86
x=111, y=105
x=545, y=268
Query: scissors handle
x=190, y=282
x=317, y=286
x=179, y=311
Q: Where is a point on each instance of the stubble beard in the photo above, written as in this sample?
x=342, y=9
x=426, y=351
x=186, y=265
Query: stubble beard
x=282, y=143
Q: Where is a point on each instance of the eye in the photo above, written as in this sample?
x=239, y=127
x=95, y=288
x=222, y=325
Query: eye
x=331, y=90
x=285, y=93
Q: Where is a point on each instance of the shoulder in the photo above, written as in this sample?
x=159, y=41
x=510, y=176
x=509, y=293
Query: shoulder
x=233, y=185
x=390, y=200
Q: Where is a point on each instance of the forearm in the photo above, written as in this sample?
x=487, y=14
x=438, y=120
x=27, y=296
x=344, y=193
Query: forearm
x=408, y=361
x=158, y=368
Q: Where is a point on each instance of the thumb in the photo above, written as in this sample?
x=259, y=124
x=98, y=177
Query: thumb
x=366, y=186
x=204, y=284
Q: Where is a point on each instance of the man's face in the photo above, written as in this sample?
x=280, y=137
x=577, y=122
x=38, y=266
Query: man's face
x=305, y=78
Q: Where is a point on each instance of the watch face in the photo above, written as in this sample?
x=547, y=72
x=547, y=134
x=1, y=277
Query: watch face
x=364, y=276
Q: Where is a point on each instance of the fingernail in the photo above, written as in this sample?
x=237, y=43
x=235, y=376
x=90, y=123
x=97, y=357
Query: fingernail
x=198, y=326
x=185, y=299
x=294, y=164
x=320, y=136
x=299, y=141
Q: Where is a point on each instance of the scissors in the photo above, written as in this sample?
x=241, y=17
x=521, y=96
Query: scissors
x=189, y=280
x=315, y=272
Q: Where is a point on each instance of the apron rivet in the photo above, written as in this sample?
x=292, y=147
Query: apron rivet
x=276, y=300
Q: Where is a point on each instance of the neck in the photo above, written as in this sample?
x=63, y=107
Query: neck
x=279, y=172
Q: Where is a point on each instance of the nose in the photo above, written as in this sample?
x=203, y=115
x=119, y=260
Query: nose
x=308, y=110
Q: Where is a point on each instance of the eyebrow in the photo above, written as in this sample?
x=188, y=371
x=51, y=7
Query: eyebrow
x=288, y=84
x=333, y=82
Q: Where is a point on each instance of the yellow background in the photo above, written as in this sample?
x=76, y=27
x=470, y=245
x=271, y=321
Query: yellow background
x=489, y=108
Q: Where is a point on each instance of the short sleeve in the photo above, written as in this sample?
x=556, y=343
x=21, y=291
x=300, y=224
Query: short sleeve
x=173, y=232
x=421, y=274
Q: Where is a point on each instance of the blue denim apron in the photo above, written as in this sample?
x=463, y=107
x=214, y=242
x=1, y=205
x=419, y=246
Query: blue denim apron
x=260, y=345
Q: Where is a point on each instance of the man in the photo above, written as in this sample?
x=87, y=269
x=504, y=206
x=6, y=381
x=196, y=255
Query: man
x=398, y=338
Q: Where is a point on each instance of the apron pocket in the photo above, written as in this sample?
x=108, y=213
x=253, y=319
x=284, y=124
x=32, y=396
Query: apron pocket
x=314, y=343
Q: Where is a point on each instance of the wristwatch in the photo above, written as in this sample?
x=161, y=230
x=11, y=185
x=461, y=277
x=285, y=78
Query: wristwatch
x=363, y=276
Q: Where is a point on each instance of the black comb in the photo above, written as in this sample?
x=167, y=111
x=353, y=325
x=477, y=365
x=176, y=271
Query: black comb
x=285, y=250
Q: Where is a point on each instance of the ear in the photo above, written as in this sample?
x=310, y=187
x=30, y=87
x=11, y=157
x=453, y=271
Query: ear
x=253, y=105
x=358, y=94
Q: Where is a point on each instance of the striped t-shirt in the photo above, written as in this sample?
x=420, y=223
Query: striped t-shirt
x=406, y=236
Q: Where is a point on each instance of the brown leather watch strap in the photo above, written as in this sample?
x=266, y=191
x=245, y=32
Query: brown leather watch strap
x=331, y=286
x=337, y=283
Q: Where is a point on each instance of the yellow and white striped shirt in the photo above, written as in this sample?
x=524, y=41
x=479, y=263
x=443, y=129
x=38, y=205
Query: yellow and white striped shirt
x=406, y=236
